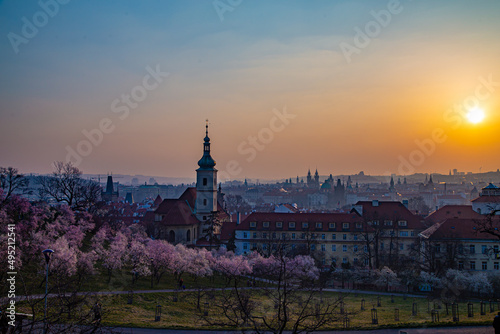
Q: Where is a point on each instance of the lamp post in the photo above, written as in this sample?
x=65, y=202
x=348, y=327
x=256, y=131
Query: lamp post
x=46, y=253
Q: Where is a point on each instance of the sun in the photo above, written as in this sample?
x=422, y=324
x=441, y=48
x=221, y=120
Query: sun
x=475, y=115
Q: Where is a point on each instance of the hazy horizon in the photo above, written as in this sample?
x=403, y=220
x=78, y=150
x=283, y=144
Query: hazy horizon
x=341, y=86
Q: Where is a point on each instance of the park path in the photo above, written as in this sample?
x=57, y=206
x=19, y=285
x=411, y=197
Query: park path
x=119, y=292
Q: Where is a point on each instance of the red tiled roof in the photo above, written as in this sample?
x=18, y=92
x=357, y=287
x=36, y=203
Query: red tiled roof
x=452, y=211
x=487, y=199
x=456, y=228
x=299, y=218
x=157, y=201
x=390, y=210
x=181, y=211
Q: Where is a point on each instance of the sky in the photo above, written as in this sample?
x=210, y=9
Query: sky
x=287, y=85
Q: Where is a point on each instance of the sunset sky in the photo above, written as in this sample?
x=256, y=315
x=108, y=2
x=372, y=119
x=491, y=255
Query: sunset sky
x=394, y=102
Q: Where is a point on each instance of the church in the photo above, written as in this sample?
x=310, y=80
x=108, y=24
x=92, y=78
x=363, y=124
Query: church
x=188, y=219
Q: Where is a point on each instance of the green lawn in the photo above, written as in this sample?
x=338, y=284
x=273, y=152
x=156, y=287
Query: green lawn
x=184, y=314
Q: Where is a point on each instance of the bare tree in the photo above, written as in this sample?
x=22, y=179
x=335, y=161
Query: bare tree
x=490, y=223
x=10, y=182
x=66, y=185
x=289, y=297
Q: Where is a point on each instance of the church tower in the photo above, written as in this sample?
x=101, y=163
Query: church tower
x=206, y=183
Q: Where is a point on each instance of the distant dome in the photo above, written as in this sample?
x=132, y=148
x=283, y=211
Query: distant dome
x=326, y=185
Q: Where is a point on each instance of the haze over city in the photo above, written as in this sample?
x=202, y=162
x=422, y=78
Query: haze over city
x=287, y=86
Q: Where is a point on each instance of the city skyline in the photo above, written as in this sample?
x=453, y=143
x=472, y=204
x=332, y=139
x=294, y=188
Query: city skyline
x=346, y=86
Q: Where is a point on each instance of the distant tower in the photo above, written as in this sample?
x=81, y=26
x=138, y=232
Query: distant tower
x=391, y=186
x=430, y=180
x=206, y=183
x=404, y=180
x=309, y=177
x=316, y=178
x=297, y=179
x=109, y=195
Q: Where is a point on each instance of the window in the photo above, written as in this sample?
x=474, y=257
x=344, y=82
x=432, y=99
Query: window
x=264, y=235
x=245, y=235
x=355, y=260
x=344, y=248
x=291, y=225
x=204, y=201
x=245, y=245
x=483, y=249
x=265, y=224
x=254, y=235
x=293, y=246
x=355, y=248
x=253, y=224
x=365, y=248
x=355, y=237
x=323, y=261
x=375, y=222
x=472, y=249
x=484, y=265
x=359, y=226
x=313, y=247
x=334, y=236
x=279, y=224
x=381, y=246
x=460, y=249
x=367, y=262
x=274, y=235
x=472, y=265
x=403, y=233
x=344, y=260
x=331, y=226
x=264, y=246
x=323, y=236
x=283, y=236
x=345, y=226
x=323, y=247
x=496, y=266
x=305, y=225
x=438, y=248
x=460, y=265
x=402, y=223
x=495, y=249
x=334, y=248
x=388, y=222
x=344, y=236
x=319, y=226
x=401, y=246
x=293, y=236
x=412, y=233
x=303, y=236
x=254, y=246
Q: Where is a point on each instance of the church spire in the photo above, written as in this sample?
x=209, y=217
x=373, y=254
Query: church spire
x=206, y=161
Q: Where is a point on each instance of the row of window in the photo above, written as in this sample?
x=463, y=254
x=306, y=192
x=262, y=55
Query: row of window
x=319, y=225
x=322, y=247
x=472, y=265
x=472, y=249
x=305, y=236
